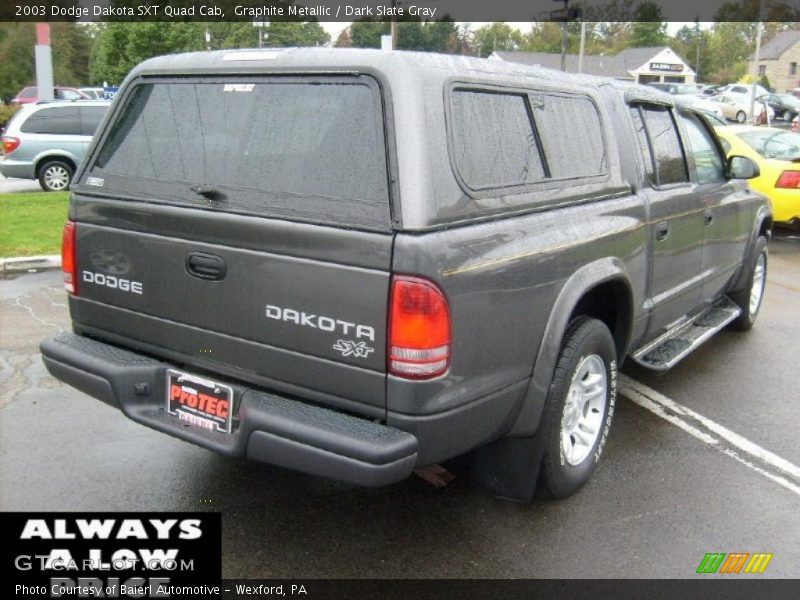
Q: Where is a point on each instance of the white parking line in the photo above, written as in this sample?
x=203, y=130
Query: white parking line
x=712, y=433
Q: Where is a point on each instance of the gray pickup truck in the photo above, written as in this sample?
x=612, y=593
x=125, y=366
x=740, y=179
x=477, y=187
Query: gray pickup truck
x=356, y=263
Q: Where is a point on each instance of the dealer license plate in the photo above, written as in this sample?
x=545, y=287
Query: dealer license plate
x=199, y=402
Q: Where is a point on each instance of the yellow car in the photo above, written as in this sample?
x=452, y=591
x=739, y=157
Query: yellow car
x=777, y=153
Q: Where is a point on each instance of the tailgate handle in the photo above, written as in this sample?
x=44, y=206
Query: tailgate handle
x=206, y=266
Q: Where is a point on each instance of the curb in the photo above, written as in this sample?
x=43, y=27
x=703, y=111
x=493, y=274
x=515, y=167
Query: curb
x=29, y=264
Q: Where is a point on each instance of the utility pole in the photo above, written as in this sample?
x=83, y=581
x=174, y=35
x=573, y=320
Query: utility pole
x=757, y=60
x=583, y=47
x=755, y=74
x=260, y=25
x=697, y=38
x=44, y=62
x=394, y=25
x=564, y=38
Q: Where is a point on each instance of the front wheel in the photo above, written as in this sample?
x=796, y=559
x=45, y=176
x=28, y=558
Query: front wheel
x=579, y=408
x=750, y=298
x=741, y=116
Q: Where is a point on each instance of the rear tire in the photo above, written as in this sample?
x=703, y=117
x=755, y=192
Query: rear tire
x=579, y=408
x=751, y=297
x=55, y=176
x=741, y=116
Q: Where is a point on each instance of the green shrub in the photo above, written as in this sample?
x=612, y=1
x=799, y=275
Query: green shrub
x=6, y=112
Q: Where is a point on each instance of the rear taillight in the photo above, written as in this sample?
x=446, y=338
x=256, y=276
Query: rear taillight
x=9, y=144
x=789, y=179
x=419, y=329
x=68, y=266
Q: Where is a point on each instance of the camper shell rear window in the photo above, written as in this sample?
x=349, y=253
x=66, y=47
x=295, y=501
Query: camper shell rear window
x=302, y=148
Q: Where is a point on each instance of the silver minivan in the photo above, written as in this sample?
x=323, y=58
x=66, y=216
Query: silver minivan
x=47, y=140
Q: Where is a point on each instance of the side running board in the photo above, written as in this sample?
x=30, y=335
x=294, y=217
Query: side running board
x=667, y=349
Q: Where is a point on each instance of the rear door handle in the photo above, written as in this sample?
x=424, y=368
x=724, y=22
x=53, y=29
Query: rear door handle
x=662, y=231
x=709, y=217
x=206, y=266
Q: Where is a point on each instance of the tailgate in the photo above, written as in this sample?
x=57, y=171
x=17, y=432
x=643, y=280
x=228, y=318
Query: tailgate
x=297, y=303
x=243, y=224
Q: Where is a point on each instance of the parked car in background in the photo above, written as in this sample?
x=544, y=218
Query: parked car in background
x=47, y=141
x=714, y=119
x=30, y=95
x=687, y=95
x=786, y=106
x=711, y=90
x=737, y=109
x=777, y=153
x=95, y=93
x=677, y=89
x=699, y=103
x=743, y=89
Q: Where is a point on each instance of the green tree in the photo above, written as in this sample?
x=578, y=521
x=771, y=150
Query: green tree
x=293, y=33
x=783, y=11
x=613, y=36
x=687, y=41
x=121, y=46
x=412, y=34
x=366, y=33
x=442, y=36
x=496, y=36
x=16, y=58
x=71, y=47
x=543, y=37
x=343, y=41
x=729, y=45
x=648, y=29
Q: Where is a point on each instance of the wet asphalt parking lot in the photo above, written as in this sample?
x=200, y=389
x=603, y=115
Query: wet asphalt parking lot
x=704, y=458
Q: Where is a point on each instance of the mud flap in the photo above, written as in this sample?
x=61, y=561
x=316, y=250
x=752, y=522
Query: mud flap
x=506, y=468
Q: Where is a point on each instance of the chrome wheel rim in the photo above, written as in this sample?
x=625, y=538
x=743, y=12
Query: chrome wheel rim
x=741, y=117
x=759, y=278
x=582, y=420
x=56, y=177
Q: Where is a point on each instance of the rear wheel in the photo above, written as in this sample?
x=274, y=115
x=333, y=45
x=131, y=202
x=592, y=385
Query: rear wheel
x=580, y=407
x=750, y=298
x=55, y=176
x=741, y=116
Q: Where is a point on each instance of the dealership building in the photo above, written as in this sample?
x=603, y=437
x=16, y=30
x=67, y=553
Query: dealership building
x=642, y=65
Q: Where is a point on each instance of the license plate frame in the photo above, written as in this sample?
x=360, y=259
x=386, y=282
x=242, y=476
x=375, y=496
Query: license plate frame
x=199, y=402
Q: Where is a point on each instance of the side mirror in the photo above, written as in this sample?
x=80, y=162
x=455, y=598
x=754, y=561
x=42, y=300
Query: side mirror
x=741, y=167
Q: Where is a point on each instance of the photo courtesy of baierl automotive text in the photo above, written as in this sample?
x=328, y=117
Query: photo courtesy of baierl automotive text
x=321, y=279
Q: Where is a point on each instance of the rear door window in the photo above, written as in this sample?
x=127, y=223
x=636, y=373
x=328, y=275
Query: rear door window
x=56, y=120
x=284, y=146
x=663, y=145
